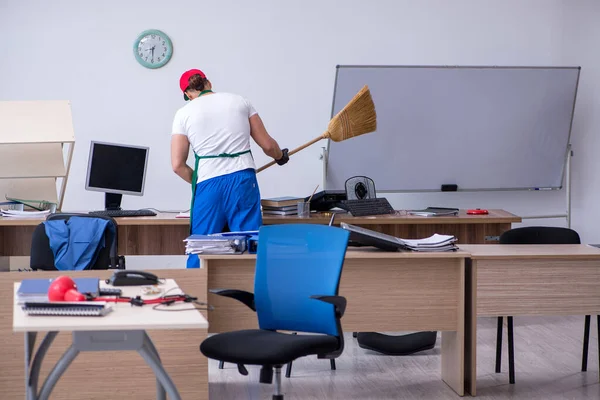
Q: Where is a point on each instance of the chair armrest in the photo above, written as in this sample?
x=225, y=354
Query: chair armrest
x=240, y=295
x=339, y=302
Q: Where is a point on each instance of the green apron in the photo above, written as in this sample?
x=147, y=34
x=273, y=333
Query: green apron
x=195, y=176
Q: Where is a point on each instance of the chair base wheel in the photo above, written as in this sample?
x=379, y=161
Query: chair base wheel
x=277, y=397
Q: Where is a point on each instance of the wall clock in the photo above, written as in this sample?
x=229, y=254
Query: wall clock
x=153, y=48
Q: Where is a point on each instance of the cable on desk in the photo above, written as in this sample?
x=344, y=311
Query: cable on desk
x=164, y=300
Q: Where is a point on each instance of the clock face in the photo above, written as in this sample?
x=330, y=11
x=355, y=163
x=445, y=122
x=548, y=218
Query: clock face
x=152, y=49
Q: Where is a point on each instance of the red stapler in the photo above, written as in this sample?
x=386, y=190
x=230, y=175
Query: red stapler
x=477, y=211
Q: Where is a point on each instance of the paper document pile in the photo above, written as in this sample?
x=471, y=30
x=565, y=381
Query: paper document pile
x=24, y=214
x=208, y=244
x=436, y=242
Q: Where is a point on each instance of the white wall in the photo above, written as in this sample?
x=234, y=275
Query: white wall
x=580, y=46
x=282, y=56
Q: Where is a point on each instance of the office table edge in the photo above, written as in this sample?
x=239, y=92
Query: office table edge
x=496, y=216
x=25, y=324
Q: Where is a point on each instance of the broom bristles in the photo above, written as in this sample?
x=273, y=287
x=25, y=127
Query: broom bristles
x=356, y=118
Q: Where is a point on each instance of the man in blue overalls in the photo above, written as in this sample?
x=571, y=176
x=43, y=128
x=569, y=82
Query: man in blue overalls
x=218, y=126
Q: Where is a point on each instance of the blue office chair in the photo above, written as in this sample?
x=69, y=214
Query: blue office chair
x=298, y=270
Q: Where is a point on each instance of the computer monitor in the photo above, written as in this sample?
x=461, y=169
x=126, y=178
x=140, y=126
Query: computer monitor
x=116, y=169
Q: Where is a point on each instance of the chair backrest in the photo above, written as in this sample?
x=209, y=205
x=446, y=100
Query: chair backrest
x=540, y=235
x=42, y=257
x=294, y=262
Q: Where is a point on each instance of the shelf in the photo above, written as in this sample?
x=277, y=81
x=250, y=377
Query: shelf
x=34, y=137
x=29, y=189
x=36, y=122
x=43, y=160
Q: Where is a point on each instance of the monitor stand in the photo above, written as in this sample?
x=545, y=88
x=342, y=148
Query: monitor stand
x=112, y=201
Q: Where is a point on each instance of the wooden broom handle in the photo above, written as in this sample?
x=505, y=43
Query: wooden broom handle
x=315, y=140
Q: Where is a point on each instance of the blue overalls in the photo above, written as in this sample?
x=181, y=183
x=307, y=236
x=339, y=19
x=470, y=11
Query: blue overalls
x=232, y=200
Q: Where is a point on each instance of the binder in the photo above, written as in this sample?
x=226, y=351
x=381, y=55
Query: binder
x=435, y=212
x=36, y=290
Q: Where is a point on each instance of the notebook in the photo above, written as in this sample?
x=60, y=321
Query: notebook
x=68, y=309
x=37, y=289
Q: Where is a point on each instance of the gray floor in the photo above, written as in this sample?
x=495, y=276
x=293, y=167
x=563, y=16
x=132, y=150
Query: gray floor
x=547, y=364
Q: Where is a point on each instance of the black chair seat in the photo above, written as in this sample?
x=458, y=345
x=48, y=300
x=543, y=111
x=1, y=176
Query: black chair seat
x=262, y=347
x=397, y=345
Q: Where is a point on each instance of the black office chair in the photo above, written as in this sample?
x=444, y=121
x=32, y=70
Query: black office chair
x=42, y=257
x=536, y=235
x=298, y=270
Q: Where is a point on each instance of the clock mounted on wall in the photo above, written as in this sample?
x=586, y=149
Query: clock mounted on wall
x=153, y=49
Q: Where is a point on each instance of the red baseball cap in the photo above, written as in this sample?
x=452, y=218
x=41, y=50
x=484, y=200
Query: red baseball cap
x=185, y=78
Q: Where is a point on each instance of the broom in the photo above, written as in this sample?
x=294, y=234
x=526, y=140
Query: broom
x=356, y=118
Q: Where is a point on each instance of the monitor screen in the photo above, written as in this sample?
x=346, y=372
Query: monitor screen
x=117, y=168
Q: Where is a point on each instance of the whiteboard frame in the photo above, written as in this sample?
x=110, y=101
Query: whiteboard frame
x=326, y=151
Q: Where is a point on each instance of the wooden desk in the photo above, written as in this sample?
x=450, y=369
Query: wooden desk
x=164, y=234
x=159, y=235
x=386, y=291
x=125, y=328
x=530, y=280
x=108, y=375
x=467, y=228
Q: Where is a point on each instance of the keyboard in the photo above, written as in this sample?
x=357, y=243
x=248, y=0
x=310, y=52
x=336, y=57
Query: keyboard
x=361, y=208
x=124, y=213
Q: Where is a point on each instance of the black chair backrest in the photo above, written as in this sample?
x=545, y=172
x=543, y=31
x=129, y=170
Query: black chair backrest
x=540, y=235
x=41, y=254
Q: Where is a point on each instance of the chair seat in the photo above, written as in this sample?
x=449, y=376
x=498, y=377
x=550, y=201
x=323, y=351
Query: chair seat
x=261, y=347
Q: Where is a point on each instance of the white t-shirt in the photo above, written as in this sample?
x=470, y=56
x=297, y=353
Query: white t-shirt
x=214, y=124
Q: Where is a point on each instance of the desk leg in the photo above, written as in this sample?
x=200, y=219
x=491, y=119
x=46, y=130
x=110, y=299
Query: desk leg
x=33, y=375
x=453, y=345
x=149, y=354
x=160, y=390
x=59, y=369
x=94, y=341
x=452, y=361
x=471, y=327
x=29, y=345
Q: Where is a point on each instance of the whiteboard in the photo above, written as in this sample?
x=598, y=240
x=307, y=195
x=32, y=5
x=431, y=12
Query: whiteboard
x=481, y=128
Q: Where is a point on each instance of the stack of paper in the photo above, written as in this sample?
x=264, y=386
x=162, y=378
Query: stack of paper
x=436, y=242
x=286, y=205
x=209, y=244
x=24, y=214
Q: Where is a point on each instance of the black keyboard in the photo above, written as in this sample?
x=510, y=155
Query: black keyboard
x=124, y=213
x=361, y=208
